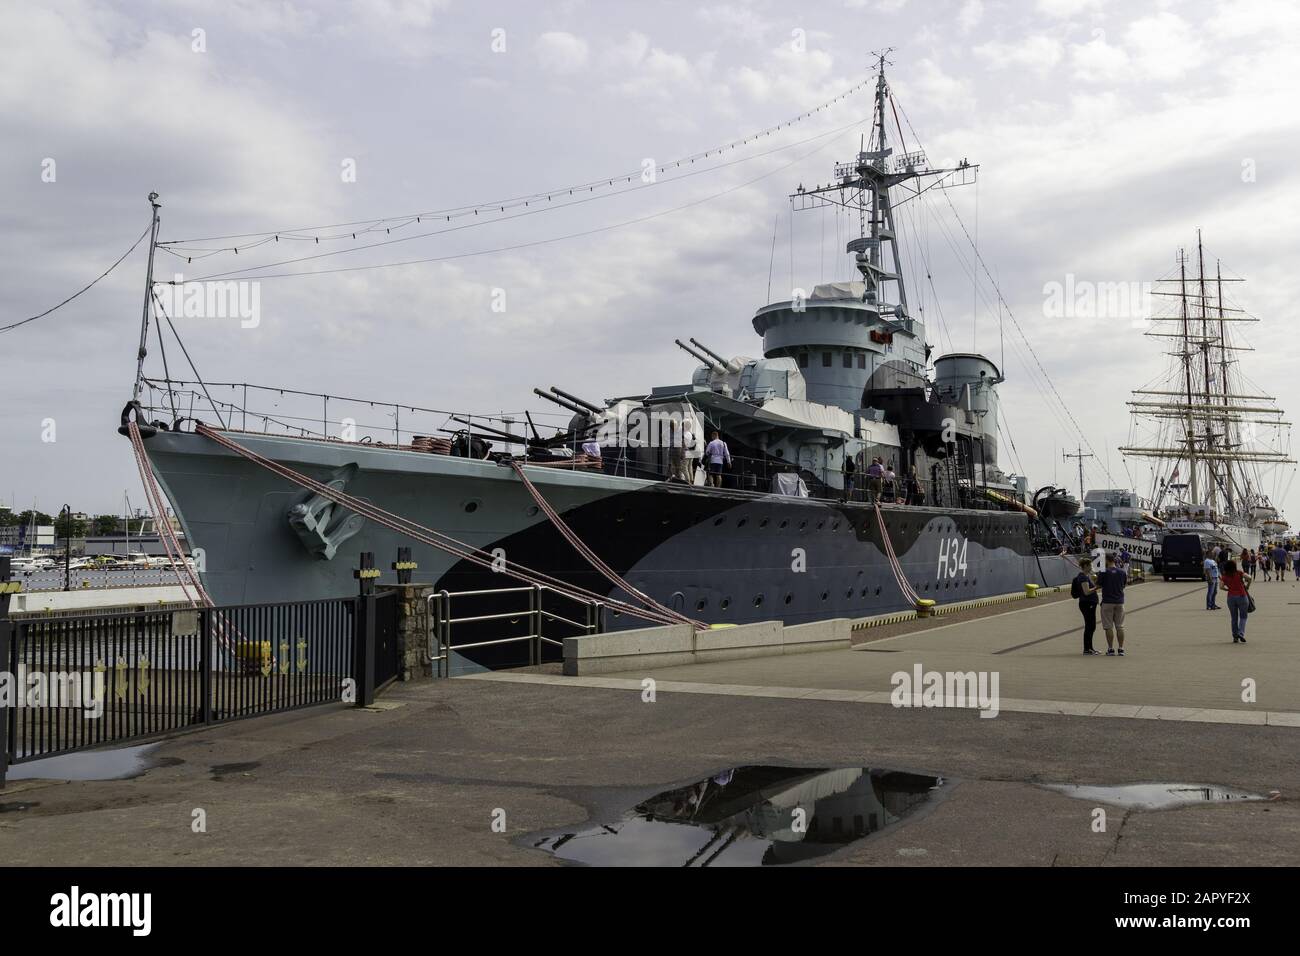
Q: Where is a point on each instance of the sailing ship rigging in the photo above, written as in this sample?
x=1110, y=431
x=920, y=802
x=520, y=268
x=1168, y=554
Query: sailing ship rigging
x=1217, y=437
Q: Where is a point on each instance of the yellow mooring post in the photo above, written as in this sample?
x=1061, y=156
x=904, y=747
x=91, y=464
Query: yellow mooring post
x=924, y=607
x=1031, y=591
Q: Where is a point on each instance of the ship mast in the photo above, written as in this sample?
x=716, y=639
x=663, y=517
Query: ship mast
x=1208, y=415
x=864, y=186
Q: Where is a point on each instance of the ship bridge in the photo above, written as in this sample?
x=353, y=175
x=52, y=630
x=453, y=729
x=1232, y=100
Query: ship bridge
x=838, y=340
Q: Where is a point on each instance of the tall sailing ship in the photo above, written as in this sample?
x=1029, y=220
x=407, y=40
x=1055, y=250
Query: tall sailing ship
x=1217, y=438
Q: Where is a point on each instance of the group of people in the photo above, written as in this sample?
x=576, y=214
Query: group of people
x=883, y=483
x=1222, y=571
x=1274, y=562
x=1107, y=589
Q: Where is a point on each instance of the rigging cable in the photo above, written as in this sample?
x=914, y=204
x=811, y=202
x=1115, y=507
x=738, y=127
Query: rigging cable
x=14, y=325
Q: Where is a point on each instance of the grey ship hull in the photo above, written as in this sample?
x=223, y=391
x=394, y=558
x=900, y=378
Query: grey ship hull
x=721, y=556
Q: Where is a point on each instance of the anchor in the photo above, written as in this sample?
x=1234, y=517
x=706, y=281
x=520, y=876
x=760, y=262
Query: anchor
x=321, y=525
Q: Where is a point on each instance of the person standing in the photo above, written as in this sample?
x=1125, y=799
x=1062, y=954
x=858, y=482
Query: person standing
x=890, y=481
x=715, y=453
x=1084, y=587
x=1293, y=555
x=1111, y=582
x=850, y=471
x=1279, y=561
x=875, y=478
x=915, y=493
x=1237, y=584
x=1211, y=584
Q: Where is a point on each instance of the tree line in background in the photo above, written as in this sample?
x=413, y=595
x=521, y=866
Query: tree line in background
x=99, y=526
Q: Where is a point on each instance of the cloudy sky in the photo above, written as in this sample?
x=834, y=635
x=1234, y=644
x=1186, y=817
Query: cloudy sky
x=1107, y=133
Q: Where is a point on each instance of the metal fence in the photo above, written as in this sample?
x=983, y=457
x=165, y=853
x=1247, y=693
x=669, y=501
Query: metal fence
x=87, y=681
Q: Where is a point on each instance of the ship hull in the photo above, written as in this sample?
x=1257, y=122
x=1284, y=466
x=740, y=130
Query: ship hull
x=718, y=555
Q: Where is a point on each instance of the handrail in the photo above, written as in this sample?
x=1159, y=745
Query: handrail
x=442, y=622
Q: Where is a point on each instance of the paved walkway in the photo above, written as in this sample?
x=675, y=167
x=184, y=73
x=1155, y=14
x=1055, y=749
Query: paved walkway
x=1180, y=663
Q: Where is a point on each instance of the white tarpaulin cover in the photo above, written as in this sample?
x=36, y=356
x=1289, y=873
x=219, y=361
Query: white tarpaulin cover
x=790, y=485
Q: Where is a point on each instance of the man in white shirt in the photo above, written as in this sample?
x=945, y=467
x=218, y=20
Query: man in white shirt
x=715, y=453
x=1211, y=584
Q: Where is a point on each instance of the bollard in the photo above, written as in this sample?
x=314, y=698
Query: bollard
x=1031, y=590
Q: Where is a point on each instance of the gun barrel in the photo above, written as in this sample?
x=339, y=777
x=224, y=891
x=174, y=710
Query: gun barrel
x=561, y=402
x=690, y=351
x=595, y=410
x=725, y=363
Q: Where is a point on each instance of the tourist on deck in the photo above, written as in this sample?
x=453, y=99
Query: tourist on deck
x=1111, y=583
x=850, y=471
x=915, y=493
x=890, y=483
x=1084, y=587
x=715, y=454
x=1237, y=584
x=679, y=466
x=875, y=479
x=1211, y=584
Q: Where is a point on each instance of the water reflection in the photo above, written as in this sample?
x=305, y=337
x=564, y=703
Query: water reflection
x=750, y=816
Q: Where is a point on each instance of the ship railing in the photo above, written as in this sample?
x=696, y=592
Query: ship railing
x=443, y=621
x=269, y=409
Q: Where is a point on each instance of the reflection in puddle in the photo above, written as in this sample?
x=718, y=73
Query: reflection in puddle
x=1155, y=796
x=87, y=765
x=750, y=816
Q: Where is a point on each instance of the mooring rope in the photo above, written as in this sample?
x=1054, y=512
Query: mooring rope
x=594, y=559
x=437, y=539
x=900, y=576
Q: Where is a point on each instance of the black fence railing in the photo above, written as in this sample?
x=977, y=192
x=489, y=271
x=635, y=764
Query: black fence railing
x=88, y=681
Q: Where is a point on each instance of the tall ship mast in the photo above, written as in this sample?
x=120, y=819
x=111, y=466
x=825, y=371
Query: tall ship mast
x=1217, y=436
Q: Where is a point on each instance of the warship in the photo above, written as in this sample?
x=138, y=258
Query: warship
x=863, y=469
x=1213, y=436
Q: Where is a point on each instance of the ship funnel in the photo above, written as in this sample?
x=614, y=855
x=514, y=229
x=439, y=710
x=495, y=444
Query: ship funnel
x=690, y=351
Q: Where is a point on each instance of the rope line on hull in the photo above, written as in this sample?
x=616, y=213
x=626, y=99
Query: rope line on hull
x=436, y=539
x=594, y=559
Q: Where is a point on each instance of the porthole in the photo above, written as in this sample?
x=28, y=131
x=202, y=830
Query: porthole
x=717, y=521
x=758, y=600
x=848, y=594
x=666, y=519
x=877, y=590
x=821, y=524
x=471, y=506
x=701, y=604
x=784, y=522
x=741, y=522
x=825, y=595
x=726, y=603
x=531, y=511
x=835, y=526
x=622, y=516
x=927, y=585
x=802, y=525
x=789, y=598
x=763, y=523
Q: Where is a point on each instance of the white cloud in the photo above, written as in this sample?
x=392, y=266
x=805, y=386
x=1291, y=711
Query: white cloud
x=1098, y=61
x=971, y=13
x=1037, y=53
x=560, y=52
x=1164, y=47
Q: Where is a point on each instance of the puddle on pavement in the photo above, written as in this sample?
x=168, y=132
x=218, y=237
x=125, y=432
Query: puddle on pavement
x=1156, y=796
x=750, y=816
x=88, y=765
